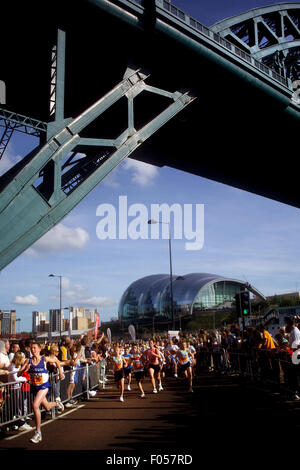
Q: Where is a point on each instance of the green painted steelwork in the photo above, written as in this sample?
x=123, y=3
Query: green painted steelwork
x=44, y=186
x=29, y=211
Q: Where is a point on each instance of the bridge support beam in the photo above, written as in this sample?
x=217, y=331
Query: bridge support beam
x=53, y=182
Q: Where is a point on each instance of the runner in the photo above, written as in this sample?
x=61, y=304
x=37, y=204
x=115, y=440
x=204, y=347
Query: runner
x=162, y=363
x=153, y=356
x=53, y=370
x=183, y=355
x=138, y=368
x=192, y=350
x=172, y=357
x=39, y=380
x=74, y=364
x=118, y=362
x=128, y=368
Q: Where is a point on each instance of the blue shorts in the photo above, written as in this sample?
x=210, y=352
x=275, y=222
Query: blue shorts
x=35, y=389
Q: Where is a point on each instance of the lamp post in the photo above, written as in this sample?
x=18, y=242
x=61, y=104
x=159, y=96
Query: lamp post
x=60, y=302
x=70, y=324
x=153, y=324
x=151, y=221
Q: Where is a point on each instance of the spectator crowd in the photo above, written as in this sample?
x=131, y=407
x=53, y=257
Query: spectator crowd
x=251, y=352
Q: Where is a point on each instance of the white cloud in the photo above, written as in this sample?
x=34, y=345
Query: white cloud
x=60, y=238
x=8, y=160
x=70, y=294
x=111, y=180
x=79, y=287
x=143, y=173
x=65, y=283
x=26, y=300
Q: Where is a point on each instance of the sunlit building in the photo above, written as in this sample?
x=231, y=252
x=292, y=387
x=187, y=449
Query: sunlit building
x=194, y=293
x=37, y=319
x=8, y=322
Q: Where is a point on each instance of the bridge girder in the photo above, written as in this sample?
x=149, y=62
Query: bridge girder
x=238, y=93
x=270, y=34
x=49, y=183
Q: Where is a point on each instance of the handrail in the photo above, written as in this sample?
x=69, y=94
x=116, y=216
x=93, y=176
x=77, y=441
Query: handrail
x=180, y=15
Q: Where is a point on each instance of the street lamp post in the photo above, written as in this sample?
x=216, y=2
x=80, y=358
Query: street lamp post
x=60, y=299
x=17, y=320
x=151, y=221
x=70, y=324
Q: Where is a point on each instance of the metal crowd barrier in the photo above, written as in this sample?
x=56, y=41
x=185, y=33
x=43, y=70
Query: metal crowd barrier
x=16, y=401
x=260, y=365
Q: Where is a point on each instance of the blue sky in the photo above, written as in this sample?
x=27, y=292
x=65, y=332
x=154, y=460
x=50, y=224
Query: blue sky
x=210, y=12
x=245, y=236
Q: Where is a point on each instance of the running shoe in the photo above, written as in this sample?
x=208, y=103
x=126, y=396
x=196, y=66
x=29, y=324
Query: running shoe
x=160, y=388
x=191, y=390
x=121, y=398
x=154, y=390
x=36, y=438
x=175, y=375
x=143, y=395
x=60, y=405
x=25, y=427
x=70, y=404
x=128, y=387
x=92, y=393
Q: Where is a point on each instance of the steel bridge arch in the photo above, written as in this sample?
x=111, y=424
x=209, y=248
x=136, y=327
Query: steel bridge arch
x=270, y=34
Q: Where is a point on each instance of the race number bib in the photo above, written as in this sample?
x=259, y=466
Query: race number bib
x=36, y=380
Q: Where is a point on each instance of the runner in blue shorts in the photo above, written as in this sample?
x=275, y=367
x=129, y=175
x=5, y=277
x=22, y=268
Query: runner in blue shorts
x=128, y=368
x=39, y=381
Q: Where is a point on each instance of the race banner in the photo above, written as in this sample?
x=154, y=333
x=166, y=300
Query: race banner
x=108, y=334
x=173, y=334
x=96, y=326
x=131, y=330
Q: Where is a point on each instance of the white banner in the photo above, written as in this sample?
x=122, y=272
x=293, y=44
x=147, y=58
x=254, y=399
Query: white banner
x=172, y=334
x=131, y=330
x=108, y=334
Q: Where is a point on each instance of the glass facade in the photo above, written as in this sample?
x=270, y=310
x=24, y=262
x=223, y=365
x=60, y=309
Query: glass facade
x=150, y=296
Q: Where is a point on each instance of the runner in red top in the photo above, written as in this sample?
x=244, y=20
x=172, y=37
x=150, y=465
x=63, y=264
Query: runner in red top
x=153, y=356
x=138, y=368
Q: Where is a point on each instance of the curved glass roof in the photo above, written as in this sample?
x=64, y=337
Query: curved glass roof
x=152, y=293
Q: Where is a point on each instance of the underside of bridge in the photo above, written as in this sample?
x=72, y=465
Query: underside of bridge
x=240, y=130
x=232, y=133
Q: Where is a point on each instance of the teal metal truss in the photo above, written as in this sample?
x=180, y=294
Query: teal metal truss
x=48, y=183
x=270, y=34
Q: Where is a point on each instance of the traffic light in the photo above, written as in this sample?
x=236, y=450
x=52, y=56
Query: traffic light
x=242, y=303
x=237, y=305
x=245, y=303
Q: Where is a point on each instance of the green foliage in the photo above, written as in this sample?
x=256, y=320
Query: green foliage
x=206, y=321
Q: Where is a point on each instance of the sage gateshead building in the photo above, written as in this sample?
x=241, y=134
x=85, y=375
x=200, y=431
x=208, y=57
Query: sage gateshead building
x=150, y=297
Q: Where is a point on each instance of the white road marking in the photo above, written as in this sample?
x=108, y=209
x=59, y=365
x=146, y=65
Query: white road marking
x=43, y=424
